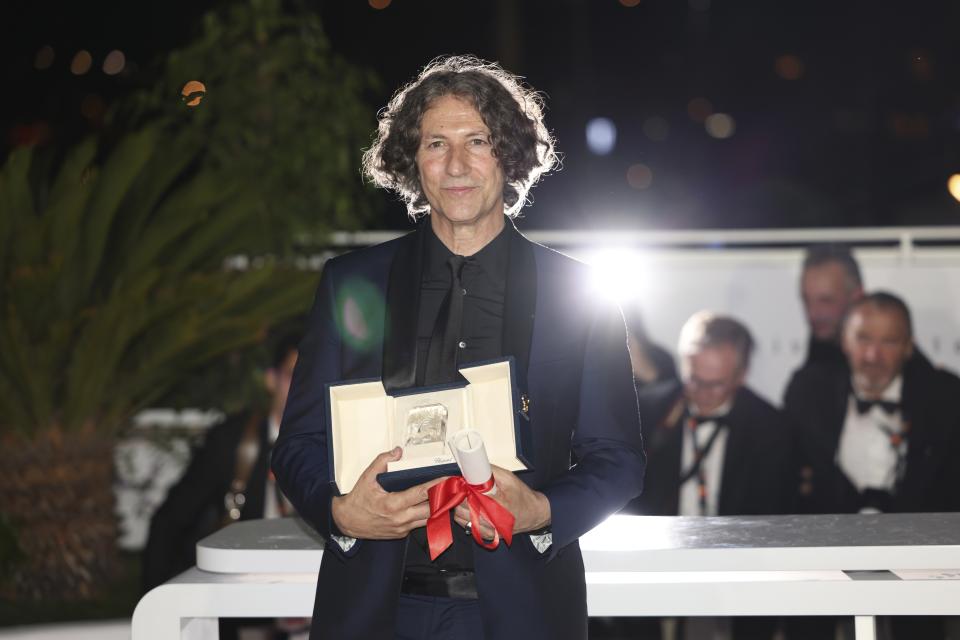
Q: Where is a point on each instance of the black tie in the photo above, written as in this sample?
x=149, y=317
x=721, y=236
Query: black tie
x=444, y=341
x=863, y=406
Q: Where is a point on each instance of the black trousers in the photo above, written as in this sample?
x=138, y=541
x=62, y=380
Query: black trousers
x=431, y=618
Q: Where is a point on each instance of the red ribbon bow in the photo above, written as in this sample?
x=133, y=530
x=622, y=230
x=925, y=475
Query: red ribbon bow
x=446, y=495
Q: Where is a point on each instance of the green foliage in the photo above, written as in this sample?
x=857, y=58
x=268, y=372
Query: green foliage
x=113, y=290
x=115, y=287
x=281, y=112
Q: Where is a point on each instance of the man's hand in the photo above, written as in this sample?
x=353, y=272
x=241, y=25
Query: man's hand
x=371, y=513
x=530, y=509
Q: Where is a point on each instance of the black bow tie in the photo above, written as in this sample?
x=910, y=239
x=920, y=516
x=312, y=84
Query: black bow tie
x=698, y=420
x=888, y=406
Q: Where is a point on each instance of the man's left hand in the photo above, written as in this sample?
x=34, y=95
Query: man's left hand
x=530, y=509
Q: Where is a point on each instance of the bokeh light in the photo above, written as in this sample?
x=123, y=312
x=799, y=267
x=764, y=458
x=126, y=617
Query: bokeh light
x=379, y=4
x=629, y=3
x=44, y=58
x=639, y=176
x=720, y=126
x=601, y=136
x=114, y=62
x=656, y=128
x=953, y=184
x=193, y=92
x=789, y=67
x=81, y=63
x=699, y=109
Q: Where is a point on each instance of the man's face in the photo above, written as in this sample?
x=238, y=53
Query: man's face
x=877, y=343
x=711, y=376
x=459, y=175
x=827, y=295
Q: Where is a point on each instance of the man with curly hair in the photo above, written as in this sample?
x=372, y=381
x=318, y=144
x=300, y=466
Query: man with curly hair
x=462, y=145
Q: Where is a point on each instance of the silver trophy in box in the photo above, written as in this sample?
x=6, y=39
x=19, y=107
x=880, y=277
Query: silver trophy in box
x=425, y=431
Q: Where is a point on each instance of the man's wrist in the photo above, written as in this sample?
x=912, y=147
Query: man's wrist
x=543, y=512
x=336, y=513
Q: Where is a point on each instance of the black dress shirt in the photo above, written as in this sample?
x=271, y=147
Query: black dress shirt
x=484, y=280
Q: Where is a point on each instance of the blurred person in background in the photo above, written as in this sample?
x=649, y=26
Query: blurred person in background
x=829, y=284
x=228, y=479
x=882, y=434
x=714, y=446
x=650, y=362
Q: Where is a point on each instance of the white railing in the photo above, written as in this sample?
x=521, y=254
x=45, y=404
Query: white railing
x=904, y=237
x=853, y=565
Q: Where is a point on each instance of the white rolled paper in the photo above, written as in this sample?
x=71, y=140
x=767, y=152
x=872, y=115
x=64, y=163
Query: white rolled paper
x=467, y=447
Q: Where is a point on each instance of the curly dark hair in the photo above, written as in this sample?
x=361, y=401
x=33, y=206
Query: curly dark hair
x=512, y=112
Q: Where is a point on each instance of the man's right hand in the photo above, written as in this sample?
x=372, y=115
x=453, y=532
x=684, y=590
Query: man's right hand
x=371, y=513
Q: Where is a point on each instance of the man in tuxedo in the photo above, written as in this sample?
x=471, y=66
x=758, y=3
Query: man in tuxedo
x=882, y=434
x=462, y=145
x=715, y=447
x=829, y=284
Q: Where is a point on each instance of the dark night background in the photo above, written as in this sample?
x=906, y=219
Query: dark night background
x=846, y=113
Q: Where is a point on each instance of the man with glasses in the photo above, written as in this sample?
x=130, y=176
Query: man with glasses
x=714, y=446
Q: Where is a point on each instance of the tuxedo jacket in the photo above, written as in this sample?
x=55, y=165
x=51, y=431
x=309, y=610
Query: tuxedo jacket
x=755, y=476
x=572, y=362
x=194, y=507
x=816, y=403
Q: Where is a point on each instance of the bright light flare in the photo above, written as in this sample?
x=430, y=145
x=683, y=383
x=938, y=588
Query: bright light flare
x=618, y=274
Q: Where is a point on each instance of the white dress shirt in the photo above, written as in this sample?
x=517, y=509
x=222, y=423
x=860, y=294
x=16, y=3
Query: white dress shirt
x=866, y=455
x=712, y=465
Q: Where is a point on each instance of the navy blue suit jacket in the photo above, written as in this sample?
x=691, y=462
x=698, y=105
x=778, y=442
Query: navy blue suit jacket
x=588, y=455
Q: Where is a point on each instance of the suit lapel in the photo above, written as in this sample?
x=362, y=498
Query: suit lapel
x=521, y=303
x=838, y=415
x=403, y=303
x=670, y=449
x=664, y=444
x=921, y=423
x=730, y=499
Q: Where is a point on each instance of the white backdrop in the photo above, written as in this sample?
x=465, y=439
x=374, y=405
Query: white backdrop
x=760, y=287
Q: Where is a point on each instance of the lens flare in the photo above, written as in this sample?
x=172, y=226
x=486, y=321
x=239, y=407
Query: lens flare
x=360, y=314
